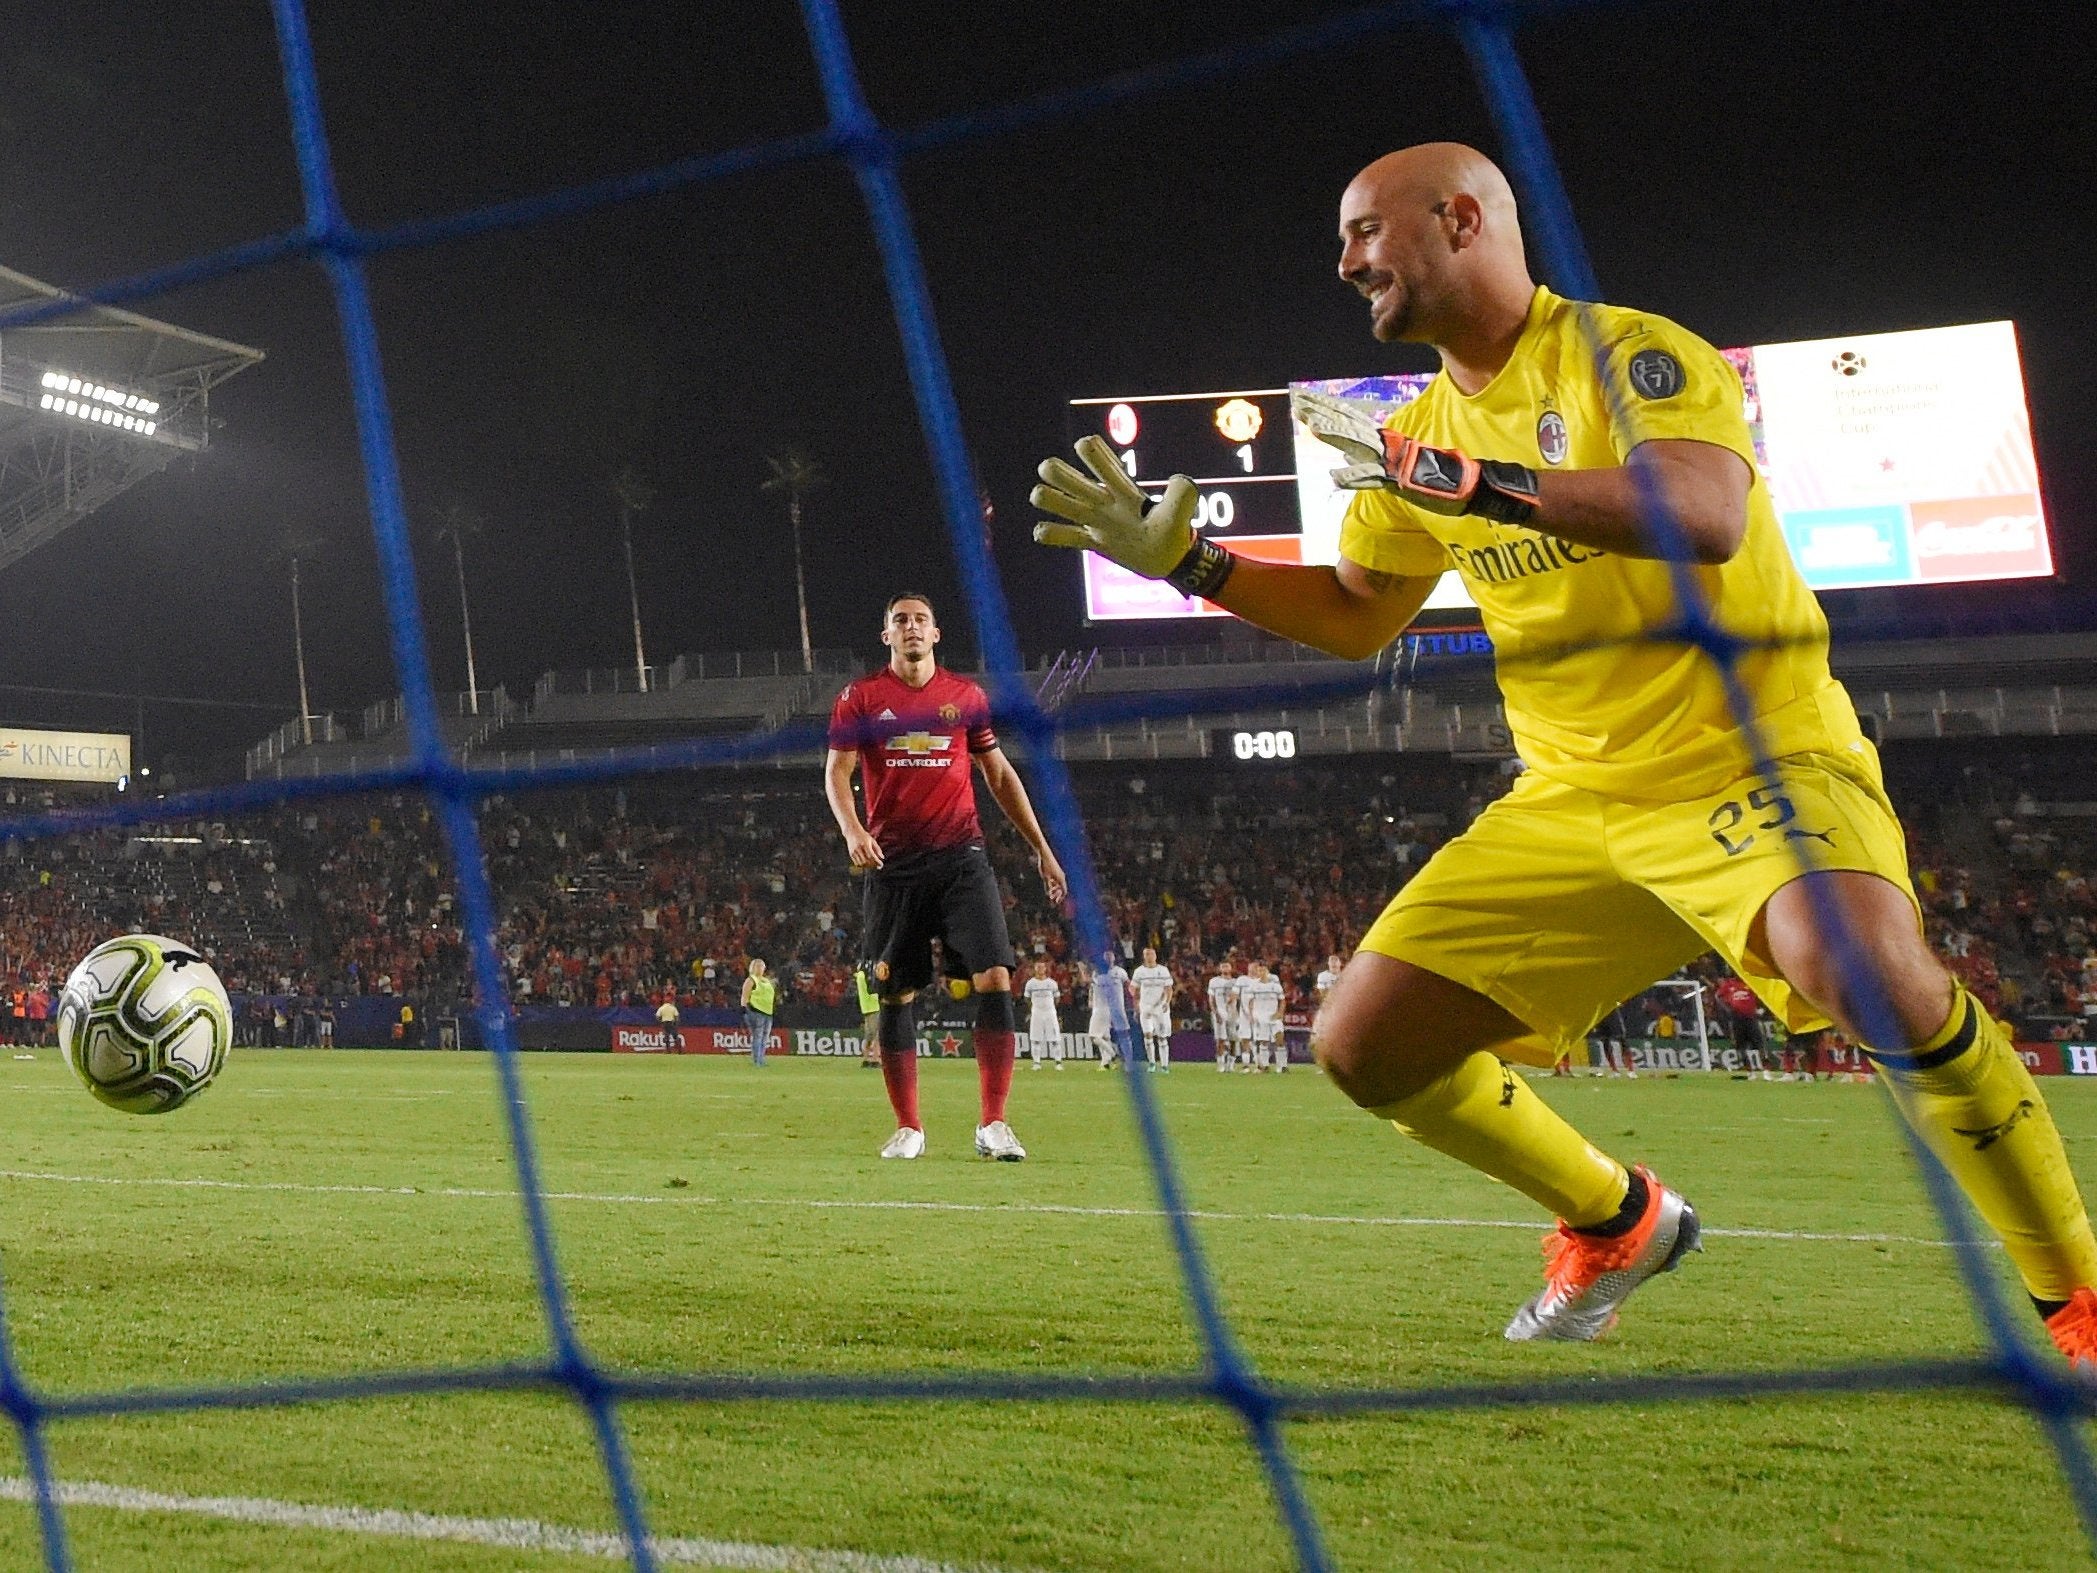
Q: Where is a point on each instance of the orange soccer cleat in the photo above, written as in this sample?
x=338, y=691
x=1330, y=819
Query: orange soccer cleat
x=1586, y=1278
x=2074, y=1331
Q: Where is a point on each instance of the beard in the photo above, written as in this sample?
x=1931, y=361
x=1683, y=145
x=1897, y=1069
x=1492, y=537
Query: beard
x=1391, y=321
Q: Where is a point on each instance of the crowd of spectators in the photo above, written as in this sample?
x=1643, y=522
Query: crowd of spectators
x=664, y=890
x=219, y=890
x=1286, y=868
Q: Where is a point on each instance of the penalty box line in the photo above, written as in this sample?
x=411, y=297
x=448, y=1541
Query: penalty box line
x=511, y=1534
x=1050, y=1209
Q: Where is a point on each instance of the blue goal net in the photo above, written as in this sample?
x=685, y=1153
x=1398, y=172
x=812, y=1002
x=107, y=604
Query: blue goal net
x=2011, y=1366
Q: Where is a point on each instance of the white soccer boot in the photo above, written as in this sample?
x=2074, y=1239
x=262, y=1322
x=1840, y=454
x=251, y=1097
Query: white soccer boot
x=1586, y=1279
x=908, y=1142
x=996, y=1140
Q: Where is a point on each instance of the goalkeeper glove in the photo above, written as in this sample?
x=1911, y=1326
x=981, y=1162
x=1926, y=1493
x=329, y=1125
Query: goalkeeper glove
x=1439, y=480
x=1108, y=513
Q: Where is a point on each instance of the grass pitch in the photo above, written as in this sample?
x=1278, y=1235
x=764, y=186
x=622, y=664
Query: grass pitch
x=719, y=1217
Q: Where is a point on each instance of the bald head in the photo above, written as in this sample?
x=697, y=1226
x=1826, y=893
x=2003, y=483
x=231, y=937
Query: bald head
x=1430, y=237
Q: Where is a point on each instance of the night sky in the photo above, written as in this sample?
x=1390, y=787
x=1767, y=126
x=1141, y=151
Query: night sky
x=1777, y=171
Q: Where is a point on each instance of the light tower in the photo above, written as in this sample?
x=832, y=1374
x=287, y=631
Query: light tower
x=634, y=496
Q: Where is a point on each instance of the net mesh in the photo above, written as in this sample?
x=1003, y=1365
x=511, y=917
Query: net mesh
x=2011, y=1366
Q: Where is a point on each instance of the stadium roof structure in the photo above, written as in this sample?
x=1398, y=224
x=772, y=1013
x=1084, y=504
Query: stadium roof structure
x=91, y=403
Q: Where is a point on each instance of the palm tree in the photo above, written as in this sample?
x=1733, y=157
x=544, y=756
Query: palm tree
x=300, y=542
x=456, y=523
x=797, y=474
x=634, y=496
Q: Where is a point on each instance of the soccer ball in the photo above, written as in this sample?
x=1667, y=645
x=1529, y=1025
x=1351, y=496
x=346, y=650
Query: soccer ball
x=145, y=1022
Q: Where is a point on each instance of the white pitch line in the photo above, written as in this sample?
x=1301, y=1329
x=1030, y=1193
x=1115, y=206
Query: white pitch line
x=511, y=1534
x=820, y=1204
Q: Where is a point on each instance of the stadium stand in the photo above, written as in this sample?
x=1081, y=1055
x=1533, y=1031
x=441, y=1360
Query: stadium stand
x=665, y=888
x=1433, y=693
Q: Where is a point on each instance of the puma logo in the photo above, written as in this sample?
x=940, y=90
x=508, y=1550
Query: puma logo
x=1988, y=1135
x=1827, y=835
x=1507, y=1087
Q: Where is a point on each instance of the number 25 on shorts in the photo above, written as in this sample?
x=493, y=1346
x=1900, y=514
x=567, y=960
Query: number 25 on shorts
x=1726, y=818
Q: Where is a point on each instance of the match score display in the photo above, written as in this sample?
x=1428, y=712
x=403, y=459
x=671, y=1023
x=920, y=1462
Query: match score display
x=1891, y=458
x=1241, y=452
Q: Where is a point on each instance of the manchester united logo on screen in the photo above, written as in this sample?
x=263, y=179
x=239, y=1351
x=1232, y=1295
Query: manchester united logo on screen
x=1239, y=420
x=950, y=714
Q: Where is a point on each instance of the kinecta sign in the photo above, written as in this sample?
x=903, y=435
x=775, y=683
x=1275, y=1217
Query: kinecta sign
x=103, y=757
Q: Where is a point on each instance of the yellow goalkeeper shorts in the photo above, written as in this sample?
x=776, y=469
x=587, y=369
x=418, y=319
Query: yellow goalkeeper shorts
x=1557, y=904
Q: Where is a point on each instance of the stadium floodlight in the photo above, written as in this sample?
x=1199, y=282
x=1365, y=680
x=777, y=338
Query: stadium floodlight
x=99, y=403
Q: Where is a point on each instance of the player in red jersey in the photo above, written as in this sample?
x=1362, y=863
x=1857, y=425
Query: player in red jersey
x=911, y=730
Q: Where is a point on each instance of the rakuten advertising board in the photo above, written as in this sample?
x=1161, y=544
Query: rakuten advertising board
x=785, y=1040
x=684, y=1040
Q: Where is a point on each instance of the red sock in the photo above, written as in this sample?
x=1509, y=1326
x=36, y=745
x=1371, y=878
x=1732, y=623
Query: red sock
x=899, y=1071
x=996, y=1049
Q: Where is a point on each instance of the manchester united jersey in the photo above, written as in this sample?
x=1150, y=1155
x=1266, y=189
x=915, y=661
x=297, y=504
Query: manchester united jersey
x=1591, y=699
x=914, y=747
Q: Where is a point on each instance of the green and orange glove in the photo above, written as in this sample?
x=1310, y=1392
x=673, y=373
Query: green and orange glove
x=1107, y=513
x=1439, y=480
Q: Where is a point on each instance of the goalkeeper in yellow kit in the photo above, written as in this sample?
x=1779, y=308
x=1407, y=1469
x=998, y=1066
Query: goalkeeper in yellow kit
x=1642, y=833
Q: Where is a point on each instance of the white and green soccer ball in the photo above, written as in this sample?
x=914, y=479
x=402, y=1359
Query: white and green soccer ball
x=145, y=1023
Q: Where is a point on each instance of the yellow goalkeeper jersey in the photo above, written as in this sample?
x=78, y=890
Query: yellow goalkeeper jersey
x=1589, y=702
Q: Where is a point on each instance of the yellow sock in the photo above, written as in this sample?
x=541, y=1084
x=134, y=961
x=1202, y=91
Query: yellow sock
x=1484, y=1115
x=1982, y=1115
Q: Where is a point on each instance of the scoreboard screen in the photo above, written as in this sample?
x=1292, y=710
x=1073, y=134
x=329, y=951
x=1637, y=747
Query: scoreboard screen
x=1241, y=450
x=1892, y=459
x=1245, y=454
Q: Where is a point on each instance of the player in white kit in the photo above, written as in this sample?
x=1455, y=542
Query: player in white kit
x=1329, y=979
x=1154, y=1009
x=1223, y=1013
x=1044, y=1031
x=1260, y=997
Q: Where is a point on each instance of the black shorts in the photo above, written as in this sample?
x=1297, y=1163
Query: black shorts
x=952, y=897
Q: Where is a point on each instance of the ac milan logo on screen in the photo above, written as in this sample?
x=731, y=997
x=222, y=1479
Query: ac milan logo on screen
x=1849, y=363
x=1550, y=437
